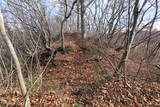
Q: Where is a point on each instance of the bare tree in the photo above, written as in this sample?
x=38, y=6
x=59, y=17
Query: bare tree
x=134, y=22
x=82, y=18
x=66, y=16
x=83, y=10
x=16, y=61
x=130, y=34
x=78, y=5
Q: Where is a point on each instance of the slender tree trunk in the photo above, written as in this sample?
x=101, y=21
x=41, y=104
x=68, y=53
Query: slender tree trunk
x=16, y=61
x=1, y=74
x=78, y=16
x=62, y=35
x=131, y=36
x=66, y=16
x=82, y=18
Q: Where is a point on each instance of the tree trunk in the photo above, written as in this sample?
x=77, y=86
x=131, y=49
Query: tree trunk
x=62, y=35
x=131, y=36
x=78, y=16
x=66, y=16
x=1, y=74
x=82, y=18
x=16, y=61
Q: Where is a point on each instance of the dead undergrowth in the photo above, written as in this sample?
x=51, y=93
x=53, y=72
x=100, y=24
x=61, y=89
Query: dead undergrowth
x=82, y=77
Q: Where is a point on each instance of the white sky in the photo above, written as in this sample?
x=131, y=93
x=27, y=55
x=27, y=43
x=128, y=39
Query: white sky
x=150, y=14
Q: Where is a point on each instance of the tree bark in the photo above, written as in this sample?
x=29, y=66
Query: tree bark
x=1, y=74
x=62, y=35
x=16, y=61
x=82, y=18
x=131, y=36
x=78, y=16
x=66, y=16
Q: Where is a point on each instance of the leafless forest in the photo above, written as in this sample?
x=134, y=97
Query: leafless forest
x=79, y=53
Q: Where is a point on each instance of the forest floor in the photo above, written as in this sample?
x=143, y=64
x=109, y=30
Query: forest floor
x=81, y=79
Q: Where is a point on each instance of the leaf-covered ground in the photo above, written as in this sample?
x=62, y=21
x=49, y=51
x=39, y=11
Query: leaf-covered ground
x=82, y=79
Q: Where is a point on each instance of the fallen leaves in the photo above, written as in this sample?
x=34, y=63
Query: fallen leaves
x=77, y=82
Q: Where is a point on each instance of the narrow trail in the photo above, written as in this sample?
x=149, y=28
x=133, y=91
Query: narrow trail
x=72, y=66
x=72, y=74
x=74, y=82
x=78, y=81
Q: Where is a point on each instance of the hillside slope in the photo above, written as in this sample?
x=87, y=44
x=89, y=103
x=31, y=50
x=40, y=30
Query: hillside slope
x=79, y=80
